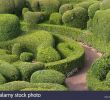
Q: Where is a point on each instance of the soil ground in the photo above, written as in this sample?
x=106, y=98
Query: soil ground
x=78, y=81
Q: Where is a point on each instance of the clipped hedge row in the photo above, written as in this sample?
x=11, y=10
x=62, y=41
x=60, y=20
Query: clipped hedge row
x=98, y=75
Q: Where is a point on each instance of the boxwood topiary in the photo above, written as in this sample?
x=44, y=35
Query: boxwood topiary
x=27, y=69
x=9, y=26
x=47, y=54
x=105, y=4
x=24, y=10
x=47, y=76
x=55, y=18
x=75, y=18
x=65, y=8
x=9, y=71
x=26, y=57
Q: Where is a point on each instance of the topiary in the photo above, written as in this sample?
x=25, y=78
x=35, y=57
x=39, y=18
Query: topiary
x=55, y=18
x=108, y=78
x=18, y=48
x=27, y=69
x=47, y=76
x=47, y=54
x=75, y=18
x=9, y=26
x=90, y=24
x=26, y=57
x=2, y=79
x=105, y=4
x=33, y=17
x=3, y=51
x=24, y=10
x=9, y=71
x=65, y=8
x=92, y=9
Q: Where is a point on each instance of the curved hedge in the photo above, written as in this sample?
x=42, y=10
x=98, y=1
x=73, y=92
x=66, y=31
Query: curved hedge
x=9, y=26
x=98, y=76
x=105, y=4
x=47, y=54
x=47, y=76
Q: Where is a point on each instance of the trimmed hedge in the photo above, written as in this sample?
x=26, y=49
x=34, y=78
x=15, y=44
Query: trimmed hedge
x=3, y=51
x=26, y=57
x=47, y=76
x=9, y=71
x=55, y=18
x=105, y=4
x=24, y=10
x=97, y=77
x=100, y=20
x=76, y=18
x=9, y=26
x=27, y=69
x=65, y=8
x=2, y=79
x=47, y=54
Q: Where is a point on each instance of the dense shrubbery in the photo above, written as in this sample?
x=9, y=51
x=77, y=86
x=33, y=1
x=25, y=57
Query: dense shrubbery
x=56, y=19
x=105, y=4
x=2, y=79
x=9, y=26
x=47, y=76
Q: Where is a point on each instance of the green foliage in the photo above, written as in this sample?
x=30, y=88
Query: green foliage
x=24, y=10
x=48, y=76
x=100, y=20
x=92, y=9
x=108, y=78
x=9, y=71
x=47, y=54
x=26, y=57
x=105, y=4
x=3, y=51
x=2, y=79
x=65, y=8
x=89, y=24
x=75, y=18
x=27, y=69
x=9, y=26
x=55, y=18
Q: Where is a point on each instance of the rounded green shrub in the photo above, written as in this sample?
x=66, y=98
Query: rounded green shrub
x=24, y=10
x=3, y=51
x=65, y=8
x=92, y=9
x=18, y=48
x=9, y=26
x=49, y=6
x=9, y=71
x=75, y=18
x=33, y=17
x=63, y=1
x=27, y=69
x=26, y=57
x=47, y=54
x=100, y=20
x=105, y=4
x=89, y=24
x=2, y=79
x=108, y=78
x=55, y=18
x=47, y=76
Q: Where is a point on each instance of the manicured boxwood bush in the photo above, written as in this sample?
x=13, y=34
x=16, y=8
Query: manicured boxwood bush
x=24, y=10
x=2, y=79
x=98, y=75
x=9, y=26
x=100, y=20
x=55, y=18
x=90, y=24
x=92, y=9
x=33, y=17
x=9, y=71
x=75, y=18
x=26, y=57
x=3, y=51
x=105, y=4
x=47, y=54
x=27, y=69
x=47, y=76
x=65, y=8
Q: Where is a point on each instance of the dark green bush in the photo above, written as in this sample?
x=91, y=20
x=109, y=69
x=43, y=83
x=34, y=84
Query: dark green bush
x=105, y=4
x=100, y=20
x=9, y=26
x=33, y=17
x=55, y=18
x=65, y=8
x=75, y=18
x=48, y=76
x=27, y=69
x=9, y=71
x=2, y=79
x=3, y=51
x=26, y=57
x=47, y=54
x=92, y=9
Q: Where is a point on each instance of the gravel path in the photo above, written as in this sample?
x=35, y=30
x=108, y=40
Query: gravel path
x=78, y=81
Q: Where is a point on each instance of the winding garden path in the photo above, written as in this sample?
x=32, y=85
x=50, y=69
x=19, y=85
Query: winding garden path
x=78, y=81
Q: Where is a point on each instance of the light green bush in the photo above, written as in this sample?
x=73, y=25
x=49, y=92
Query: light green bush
x=48, y=76
x=55, y=18
x=9, y=26
x=105, y=4
x=24, y=10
